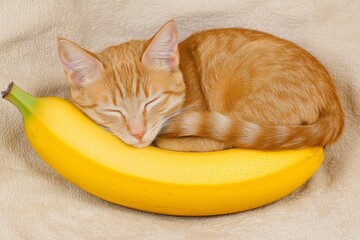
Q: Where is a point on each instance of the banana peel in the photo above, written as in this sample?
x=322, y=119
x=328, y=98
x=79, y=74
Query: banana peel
x=152, y=179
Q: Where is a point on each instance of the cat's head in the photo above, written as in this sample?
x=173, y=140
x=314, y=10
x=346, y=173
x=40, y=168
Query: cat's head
x=131, y=89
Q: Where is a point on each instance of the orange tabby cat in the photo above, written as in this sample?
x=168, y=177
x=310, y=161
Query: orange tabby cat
x=217, y=89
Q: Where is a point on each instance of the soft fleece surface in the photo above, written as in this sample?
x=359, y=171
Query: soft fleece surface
x=37, y=203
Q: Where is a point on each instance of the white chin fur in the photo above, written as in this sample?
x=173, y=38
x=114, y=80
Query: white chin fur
x=132, y=141
x=135, y=143
x=142, y=144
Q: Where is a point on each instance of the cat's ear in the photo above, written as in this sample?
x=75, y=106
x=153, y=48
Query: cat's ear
x=162, y=51
x=81, y=68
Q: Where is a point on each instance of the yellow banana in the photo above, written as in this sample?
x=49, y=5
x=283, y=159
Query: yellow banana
x=155, y=180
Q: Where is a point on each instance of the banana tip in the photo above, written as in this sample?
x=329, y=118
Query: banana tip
x=4, y=93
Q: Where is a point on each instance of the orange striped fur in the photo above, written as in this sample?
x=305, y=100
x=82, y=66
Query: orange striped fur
x=217, y=89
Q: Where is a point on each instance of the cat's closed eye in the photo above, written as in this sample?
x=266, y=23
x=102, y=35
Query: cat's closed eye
x=114, y=112
x=153, y=102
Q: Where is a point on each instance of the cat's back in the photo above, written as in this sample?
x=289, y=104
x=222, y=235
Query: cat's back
x=230, y=46
x=238, y=52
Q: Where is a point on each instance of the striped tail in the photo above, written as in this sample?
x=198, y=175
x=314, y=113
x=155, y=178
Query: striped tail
x=243, y=134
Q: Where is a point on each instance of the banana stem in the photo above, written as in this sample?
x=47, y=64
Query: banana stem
x=21, y=99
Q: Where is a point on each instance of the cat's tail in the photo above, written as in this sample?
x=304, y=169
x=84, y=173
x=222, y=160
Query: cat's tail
x=243, y=134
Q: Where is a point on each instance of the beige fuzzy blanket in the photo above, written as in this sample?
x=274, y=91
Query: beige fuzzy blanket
x=37, y=203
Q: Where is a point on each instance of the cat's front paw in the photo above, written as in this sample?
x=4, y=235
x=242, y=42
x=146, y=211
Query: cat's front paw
x=190, y=144
x=169, y=144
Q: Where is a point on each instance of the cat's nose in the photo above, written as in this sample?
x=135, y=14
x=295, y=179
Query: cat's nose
x=137, y=128
x=139, y=135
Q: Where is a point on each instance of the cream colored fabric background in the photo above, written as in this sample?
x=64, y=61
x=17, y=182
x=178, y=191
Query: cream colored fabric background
x=37, y=203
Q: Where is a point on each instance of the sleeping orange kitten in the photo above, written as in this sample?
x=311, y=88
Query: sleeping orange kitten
x=217, y=89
